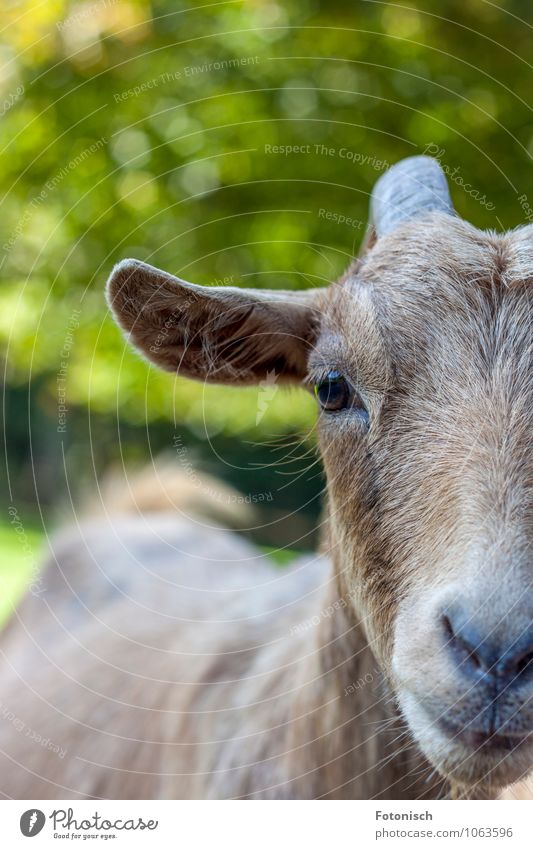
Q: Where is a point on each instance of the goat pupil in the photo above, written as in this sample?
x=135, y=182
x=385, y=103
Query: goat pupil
x=333, y=392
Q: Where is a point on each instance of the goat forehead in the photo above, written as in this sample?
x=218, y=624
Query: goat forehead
x=452, y=242
x=444, y=287
x=445, y=255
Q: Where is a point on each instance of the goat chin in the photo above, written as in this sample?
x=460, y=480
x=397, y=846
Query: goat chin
x=472, y=773
x=520, y=790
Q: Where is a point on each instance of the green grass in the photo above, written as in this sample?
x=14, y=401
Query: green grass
x=20, y=554
x=280, y=556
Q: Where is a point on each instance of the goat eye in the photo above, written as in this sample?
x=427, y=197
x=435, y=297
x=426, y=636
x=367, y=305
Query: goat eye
x=335, y=393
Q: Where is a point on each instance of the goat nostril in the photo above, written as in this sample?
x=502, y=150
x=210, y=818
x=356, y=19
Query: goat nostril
x=480, y=655
x=465, y=652
x=447, y=627
x=524, y=663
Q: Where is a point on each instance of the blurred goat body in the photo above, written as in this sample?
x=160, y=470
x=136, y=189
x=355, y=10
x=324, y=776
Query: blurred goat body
x=169, y=659
x=150, y=666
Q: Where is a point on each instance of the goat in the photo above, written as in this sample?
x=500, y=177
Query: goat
x=171, y=660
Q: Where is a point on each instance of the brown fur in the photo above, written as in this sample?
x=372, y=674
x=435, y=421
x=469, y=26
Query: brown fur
x=174, y=661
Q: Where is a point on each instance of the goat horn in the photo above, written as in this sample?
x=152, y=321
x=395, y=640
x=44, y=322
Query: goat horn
x=412, y=187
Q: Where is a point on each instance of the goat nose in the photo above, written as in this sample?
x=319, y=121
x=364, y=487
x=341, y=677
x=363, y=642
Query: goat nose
x=506, y=662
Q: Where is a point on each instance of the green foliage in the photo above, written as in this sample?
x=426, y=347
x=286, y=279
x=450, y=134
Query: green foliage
x=17, y=564
x=132, y=130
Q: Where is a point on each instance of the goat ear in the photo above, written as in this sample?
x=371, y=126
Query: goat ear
x=369, y=240
x=219, y=334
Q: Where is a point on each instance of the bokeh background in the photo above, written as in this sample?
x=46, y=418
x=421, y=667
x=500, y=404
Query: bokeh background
x=232, y=143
